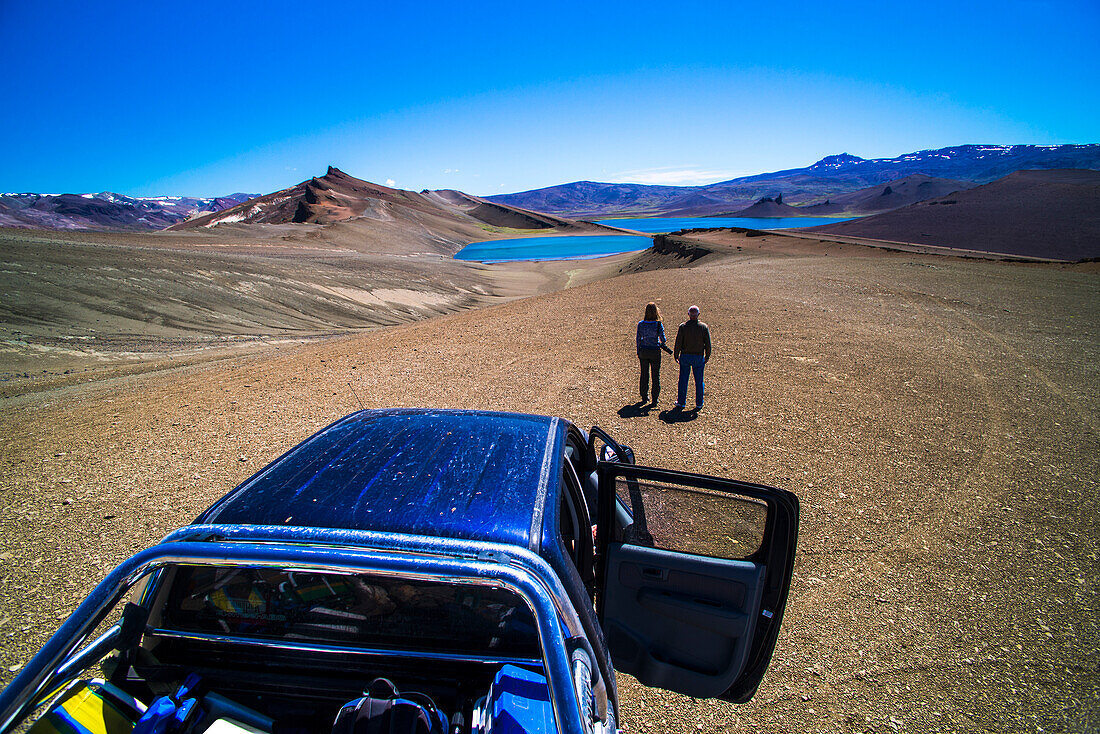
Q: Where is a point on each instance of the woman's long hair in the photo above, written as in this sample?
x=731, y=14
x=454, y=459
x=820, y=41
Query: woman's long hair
x=651, y=312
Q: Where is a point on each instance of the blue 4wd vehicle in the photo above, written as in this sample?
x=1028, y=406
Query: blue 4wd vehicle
x=427, y=571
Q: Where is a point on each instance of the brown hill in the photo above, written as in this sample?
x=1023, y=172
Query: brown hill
x=1050, y=214
x=898, y=193
x=339, y=197
x=334, y=197
x=696, y=205
x=769, y=207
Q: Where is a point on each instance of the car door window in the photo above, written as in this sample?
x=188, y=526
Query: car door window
x=695, y=520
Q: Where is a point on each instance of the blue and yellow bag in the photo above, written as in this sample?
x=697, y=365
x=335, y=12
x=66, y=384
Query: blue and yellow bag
x=90, y=707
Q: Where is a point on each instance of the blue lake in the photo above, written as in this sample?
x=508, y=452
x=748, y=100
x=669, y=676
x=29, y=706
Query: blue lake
x=568, y=247
x=660, y=225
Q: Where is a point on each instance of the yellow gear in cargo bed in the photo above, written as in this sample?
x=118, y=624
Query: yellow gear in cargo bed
x=90, y=707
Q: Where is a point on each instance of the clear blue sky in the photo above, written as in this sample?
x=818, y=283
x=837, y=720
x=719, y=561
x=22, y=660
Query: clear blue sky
x=149, y=98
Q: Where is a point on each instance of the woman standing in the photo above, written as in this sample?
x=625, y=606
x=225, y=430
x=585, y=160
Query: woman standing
x=651, y=340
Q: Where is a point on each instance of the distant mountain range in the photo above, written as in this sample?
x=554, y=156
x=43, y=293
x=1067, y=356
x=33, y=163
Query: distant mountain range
x=828, y=180
x=106, y=210
x=837, y=184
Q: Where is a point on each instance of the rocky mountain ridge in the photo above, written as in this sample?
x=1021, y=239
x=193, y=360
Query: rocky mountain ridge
x=828, y=179
x=339, y=198
x=106, y=210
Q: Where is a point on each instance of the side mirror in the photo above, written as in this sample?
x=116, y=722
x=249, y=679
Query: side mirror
x=612, y=453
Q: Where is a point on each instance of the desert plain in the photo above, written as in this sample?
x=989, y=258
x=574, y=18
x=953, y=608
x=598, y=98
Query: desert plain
x=937, y=417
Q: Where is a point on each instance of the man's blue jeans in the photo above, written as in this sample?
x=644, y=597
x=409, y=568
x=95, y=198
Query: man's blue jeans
x=690, y=364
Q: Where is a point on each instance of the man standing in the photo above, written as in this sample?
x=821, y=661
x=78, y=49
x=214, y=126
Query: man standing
x=692, y=350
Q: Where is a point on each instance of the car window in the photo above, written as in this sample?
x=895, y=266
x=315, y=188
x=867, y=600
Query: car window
x=361, y=609
x=691, y=520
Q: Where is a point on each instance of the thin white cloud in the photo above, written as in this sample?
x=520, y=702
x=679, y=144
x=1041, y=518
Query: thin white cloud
x=391, y=183
x=450, y=170
x=674, y=176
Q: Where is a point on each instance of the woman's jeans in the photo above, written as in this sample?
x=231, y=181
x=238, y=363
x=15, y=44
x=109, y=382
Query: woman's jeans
x=650, y=360
x=690, y=364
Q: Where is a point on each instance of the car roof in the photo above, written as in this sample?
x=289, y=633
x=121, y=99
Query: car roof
x=453, y=473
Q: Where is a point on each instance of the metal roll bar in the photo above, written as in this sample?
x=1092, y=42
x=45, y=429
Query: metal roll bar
x=309, y=549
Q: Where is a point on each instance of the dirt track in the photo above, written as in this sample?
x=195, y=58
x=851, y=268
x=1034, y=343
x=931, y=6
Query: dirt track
x=938, y=419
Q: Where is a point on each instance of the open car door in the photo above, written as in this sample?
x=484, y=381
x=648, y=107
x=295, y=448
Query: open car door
x=693, y=575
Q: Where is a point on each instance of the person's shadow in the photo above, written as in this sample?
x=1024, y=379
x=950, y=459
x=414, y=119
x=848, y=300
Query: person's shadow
x=678, y=415
x=636, y=410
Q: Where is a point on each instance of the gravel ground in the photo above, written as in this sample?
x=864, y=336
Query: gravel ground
x=937, y=418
